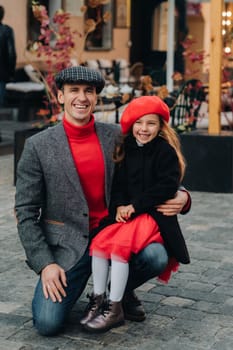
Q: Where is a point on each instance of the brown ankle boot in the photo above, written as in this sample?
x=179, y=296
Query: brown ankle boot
x=111, y=316
x=93, y=307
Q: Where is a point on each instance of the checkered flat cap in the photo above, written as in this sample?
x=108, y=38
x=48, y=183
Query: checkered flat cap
x=80, y=75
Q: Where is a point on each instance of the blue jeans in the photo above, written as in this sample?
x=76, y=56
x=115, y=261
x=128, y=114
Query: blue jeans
x=49, y=317
x=148, y=263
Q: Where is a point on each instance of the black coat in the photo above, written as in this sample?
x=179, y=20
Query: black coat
x=7, y=53
x=148, y=176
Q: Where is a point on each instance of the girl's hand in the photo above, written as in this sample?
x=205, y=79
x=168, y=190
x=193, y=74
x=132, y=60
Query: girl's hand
x=124, y=212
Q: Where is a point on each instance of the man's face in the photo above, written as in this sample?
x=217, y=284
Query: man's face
x=79, y=102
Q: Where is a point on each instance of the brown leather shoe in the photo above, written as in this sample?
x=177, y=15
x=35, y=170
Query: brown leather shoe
x=133, y=308
x=93, y=307
x=112, y=316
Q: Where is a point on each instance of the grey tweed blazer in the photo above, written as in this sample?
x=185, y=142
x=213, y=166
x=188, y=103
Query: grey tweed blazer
x=51, y=209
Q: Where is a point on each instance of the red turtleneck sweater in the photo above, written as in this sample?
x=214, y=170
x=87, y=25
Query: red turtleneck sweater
x=89, y=162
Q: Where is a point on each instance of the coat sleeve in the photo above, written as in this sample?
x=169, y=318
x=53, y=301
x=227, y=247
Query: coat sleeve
x=29, y=201
x=119, y=194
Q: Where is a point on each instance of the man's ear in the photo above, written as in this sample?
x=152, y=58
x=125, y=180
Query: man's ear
x=60, y=97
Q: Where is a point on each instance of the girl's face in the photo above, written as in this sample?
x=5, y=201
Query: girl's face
x=146, y=128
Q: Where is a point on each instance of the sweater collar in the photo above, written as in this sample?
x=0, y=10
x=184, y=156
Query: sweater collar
x=78, y=132
x=130, y=142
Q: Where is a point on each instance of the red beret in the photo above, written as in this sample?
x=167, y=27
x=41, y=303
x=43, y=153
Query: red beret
x=141, y=106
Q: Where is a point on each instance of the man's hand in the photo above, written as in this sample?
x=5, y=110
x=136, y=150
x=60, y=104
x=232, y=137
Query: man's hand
x=124, y=212
x=174, y=206
x=53, y=279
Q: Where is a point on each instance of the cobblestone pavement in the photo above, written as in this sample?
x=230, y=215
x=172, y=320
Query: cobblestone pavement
x=193, y=312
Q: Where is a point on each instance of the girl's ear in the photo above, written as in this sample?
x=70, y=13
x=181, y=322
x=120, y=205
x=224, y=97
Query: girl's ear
x=60, y=96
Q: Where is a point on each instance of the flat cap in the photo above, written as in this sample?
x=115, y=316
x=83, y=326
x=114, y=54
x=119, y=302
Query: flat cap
x=141, y=106
x=80, y=75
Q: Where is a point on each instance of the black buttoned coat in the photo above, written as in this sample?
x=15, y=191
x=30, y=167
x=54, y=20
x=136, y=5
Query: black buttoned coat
x=148, y=176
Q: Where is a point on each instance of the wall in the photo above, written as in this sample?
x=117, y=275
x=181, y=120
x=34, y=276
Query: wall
x=15, y=16
x=120, y=42
x=206, y=39
x=200, y=29
x=196, y=30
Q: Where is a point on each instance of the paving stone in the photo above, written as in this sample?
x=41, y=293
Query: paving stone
x=7, y=308
x=204, y=287
x=226, y=290
x=175, y=301
x=214, y=308
x=10, y=324
x=29, y=337
x=9, y=345
x=146, y=287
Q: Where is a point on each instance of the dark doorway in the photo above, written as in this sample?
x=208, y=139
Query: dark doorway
x=142, y=31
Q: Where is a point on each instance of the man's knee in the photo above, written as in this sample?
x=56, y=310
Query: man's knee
x=155, y=257
x=48, y=317
x=47, y=327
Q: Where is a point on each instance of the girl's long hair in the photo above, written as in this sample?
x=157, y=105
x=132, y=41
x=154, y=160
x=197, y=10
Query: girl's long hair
x=166, y=132
x=119, y=150
x=169, y=134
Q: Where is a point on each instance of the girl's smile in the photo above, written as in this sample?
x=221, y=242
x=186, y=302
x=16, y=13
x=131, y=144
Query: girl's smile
x=146, y=128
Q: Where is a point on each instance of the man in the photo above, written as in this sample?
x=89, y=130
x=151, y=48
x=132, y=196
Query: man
x=62, y=192
x=7, y=56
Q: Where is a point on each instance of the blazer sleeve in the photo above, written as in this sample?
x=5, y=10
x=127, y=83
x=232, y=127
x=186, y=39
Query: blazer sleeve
x=186, y=208
x=29, y=201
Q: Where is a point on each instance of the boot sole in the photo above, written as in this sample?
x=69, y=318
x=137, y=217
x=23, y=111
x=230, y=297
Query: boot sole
x=96, y=330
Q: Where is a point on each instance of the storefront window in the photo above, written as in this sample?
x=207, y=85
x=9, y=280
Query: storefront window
x=101, y=16
x=33, y=24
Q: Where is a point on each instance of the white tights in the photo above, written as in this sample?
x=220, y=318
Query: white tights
x=119, y=277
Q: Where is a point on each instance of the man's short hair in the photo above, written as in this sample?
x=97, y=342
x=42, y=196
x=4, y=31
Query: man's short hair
x=80, y=75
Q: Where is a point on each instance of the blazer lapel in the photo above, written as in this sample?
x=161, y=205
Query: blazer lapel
x=66, y=160
x=65, y=157
x=107, y=143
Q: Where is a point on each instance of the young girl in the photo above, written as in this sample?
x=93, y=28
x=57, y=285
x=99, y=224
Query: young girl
x=149, y=168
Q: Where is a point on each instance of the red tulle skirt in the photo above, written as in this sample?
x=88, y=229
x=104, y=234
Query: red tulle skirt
x=118, y=241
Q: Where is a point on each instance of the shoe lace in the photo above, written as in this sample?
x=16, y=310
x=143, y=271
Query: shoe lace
x=105, y=308
x=92, y=302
